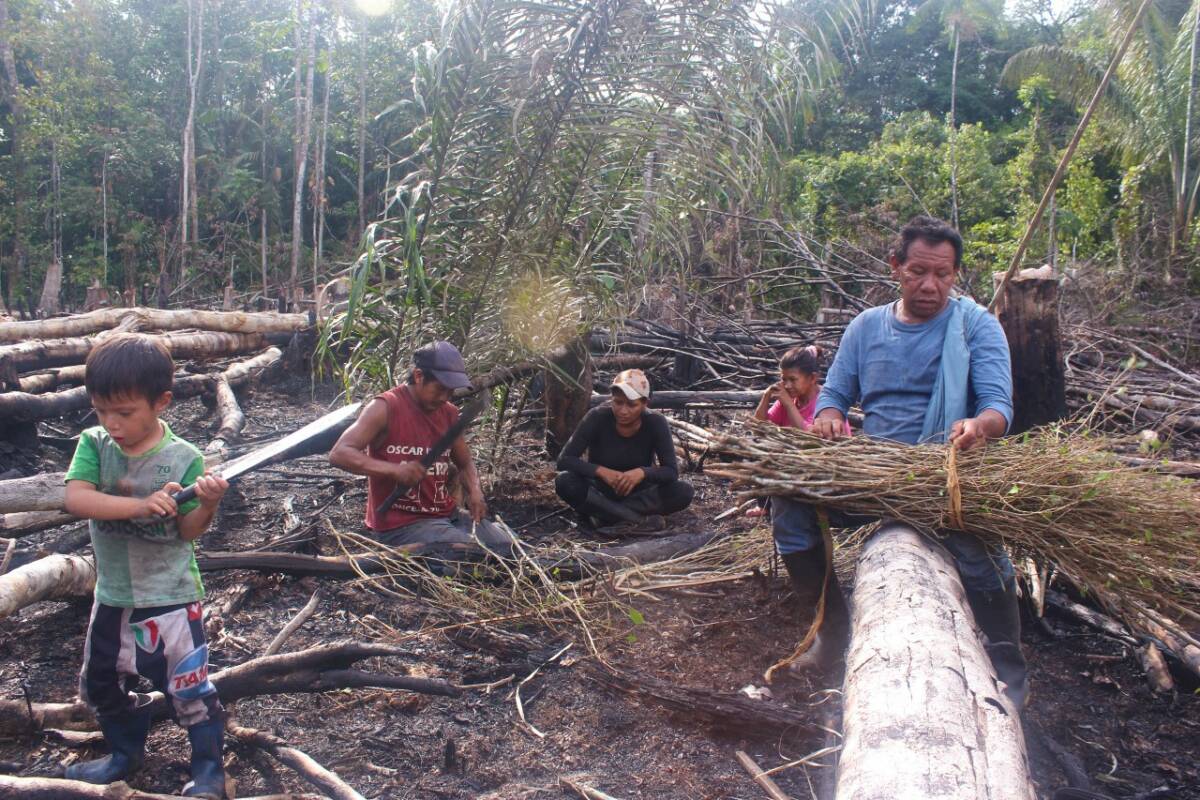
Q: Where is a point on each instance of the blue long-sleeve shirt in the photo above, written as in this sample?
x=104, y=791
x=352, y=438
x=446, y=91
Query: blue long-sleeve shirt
x=889, y=368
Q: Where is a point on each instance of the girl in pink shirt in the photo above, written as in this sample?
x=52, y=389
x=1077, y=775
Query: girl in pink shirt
x=792, y=402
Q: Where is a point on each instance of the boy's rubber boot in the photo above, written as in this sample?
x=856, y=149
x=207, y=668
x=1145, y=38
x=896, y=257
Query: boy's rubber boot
x=999, y=617
x=208, y=770
x=807, y=571
x=598, y=506
x=126, y=736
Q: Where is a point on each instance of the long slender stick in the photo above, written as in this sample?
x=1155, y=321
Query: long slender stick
x=298, y=620
x=760, y=777
x=1068, y=154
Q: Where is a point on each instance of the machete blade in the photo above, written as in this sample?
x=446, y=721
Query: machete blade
x=317, y=436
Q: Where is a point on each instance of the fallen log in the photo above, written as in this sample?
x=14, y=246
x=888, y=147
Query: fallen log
x=1155, y=667
x=304, y=765
x=923, y=711
x=228, y=410
x=152, y=318
x=567, y=566
x=50, y=578
x=42, y=354
x=36, y=493
x=24, y=407
x=232, y=420
x=318, y=669
x=243, y=372
x=12, y=786
x=581, y=563
x=51, y=379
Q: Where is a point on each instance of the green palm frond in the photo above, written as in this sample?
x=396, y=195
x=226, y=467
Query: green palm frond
x=570, y=151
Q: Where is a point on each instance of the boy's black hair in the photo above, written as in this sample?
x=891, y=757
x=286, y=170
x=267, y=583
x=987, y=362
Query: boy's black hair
x=805, y=359
x=129, y=364
x=931, y=231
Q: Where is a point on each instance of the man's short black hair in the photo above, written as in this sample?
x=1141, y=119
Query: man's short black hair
x=931, y=231
x=129, y=364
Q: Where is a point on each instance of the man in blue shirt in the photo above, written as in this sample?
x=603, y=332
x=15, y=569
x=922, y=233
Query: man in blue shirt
x=927, y=367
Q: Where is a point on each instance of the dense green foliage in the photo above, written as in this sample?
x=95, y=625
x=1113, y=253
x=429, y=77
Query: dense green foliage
x=588, y=150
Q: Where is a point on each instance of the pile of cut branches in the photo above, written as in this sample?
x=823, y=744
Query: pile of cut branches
x=1125, y=534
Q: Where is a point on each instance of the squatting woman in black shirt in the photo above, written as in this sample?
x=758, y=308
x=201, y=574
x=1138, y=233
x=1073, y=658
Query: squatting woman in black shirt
x=630, y=475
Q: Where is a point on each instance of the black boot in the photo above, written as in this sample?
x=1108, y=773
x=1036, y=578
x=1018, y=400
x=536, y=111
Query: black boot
x=126, y=736
x=807, y=571
x=999, y=617
x=208, y=770
x=645, y=501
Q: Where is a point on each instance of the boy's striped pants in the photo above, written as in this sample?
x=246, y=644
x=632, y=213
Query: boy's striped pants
x=164, y=644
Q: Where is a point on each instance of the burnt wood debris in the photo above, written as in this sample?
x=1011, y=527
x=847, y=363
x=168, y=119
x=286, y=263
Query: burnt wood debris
x=919, y=641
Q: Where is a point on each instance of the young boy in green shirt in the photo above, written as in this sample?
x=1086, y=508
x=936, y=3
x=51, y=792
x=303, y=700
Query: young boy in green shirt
x=146, y=619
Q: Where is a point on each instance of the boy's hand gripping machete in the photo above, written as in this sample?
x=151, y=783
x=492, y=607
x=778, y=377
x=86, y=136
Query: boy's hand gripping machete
x=317, y=436
x=443, y=444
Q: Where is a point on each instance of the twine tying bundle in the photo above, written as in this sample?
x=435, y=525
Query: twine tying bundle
x=954, y=489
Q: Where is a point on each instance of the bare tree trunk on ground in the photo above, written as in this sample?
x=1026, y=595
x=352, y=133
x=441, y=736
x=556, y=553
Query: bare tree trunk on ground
x=152, y=318
x=322, y=668
x=49, y=578
x=924, y=714
x=18, y=406
x=28, y=356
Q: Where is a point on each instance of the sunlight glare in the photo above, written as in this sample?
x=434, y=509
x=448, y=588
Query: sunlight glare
x=374, y=8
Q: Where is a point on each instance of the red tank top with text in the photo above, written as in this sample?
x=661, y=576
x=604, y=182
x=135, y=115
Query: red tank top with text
x=411, y=433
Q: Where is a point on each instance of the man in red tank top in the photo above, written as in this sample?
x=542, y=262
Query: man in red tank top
x=386, y=444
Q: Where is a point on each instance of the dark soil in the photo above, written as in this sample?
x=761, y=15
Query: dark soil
x=1089, y=694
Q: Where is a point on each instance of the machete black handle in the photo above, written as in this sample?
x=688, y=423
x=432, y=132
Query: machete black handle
x=184, y=495
x=396, y=494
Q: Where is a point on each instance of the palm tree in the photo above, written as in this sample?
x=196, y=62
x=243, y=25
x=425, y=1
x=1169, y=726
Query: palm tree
x=564, y=152
x=1150, y=104
x=962, y=19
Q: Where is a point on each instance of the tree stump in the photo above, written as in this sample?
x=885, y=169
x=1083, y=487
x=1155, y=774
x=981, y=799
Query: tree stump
x=924, y=714
x=568, y=393
x=1028, y=312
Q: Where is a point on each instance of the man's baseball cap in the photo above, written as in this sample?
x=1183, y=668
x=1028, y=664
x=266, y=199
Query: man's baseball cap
x=633, y=383
x=442, y=362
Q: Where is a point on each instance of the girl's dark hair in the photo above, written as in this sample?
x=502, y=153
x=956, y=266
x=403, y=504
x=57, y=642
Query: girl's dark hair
x=805, y=359
x=129, y=364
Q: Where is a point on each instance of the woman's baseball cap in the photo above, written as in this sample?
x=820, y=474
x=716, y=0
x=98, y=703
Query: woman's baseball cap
x=633, y=384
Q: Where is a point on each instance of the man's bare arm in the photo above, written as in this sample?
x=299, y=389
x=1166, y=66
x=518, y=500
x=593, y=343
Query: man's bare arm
x=350, y=452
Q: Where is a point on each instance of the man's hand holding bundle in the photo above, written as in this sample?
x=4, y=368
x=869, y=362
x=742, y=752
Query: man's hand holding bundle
x=829, y=424
x=967, y=434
